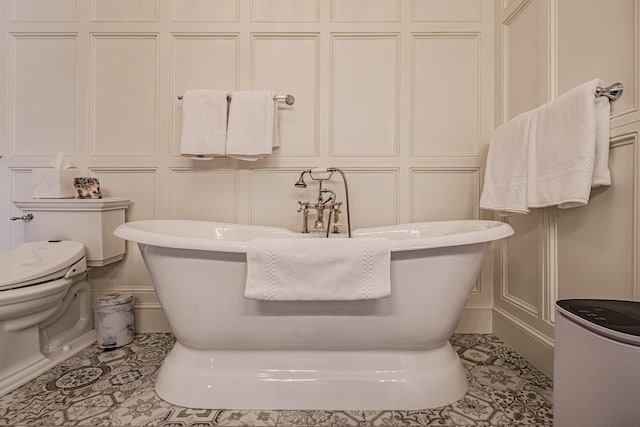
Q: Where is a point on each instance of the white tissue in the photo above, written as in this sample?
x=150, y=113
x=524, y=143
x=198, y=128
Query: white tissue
x=56, y=182
x=59, y=162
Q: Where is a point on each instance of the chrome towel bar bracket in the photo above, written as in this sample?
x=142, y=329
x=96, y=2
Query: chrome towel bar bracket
x=27, y=217
x=612, y=92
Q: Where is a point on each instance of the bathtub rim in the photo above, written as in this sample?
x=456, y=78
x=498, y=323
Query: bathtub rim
x=493, y=230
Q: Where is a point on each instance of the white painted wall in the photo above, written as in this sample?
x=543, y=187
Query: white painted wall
x=543, y=49
x=398, y=93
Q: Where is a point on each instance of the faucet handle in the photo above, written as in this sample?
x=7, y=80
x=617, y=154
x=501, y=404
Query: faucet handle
x=303, y=206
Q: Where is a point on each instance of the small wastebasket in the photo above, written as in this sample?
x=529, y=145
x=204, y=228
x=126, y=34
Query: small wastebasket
x=114, y=314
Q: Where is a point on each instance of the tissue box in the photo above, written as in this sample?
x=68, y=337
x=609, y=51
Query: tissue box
x=54, y=183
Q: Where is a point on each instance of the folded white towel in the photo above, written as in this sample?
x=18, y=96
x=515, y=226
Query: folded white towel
x=562, y=156
x=318, y=269
x=253, y=125
x=204, y=124
x=505, y=178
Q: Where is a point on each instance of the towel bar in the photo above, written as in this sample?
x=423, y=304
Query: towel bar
x=288, y=99
x=612, y=92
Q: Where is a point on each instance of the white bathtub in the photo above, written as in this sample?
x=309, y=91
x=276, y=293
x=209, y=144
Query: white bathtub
x=234, y=352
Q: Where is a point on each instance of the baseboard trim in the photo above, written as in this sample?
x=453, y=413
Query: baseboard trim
x=530, y=343
x=149, y=316
x=475, y=320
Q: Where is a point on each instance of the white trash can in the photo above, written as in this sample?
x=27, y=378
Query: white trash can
x=597, y=363
x=114, y=314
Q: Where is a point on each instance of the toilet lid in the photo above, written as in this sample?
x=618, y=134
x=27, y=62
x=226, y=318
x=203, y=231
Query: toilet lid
x=35, y=262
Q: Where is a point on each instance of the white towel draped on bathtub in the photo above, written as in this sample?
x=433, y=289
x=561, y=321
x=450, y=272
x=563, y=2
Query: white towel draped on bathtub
x=318, y=269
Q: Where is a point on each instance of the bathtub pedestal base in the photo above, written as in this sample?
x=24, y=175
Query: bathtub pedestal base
x=315, y=380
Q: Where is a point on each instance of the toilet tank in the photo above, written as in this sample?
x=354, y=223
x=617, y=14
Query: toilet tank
x=89, y=221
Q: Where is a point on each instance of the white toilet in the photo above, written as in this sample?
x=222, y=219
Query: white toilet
x=46, y=303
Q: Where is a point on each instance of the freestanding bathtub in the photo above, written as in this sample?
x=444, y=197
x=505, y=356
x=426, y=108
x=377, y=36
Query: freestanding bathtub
x=237, y=353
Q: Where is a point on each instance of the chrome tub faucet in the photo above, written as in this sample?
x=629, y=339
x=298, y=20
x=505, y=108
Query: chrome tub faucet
x=326, y=201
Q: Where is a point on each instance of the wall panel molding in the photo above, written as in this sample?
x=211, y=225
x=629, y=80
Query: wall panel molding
x=445, y=10
x=362, y=124
x=428, y=200
x=140, y=184
x=450, y=126
x=43, y=10
x=204, y=10
x=43, y=74
x=365, y=10
x=122, y=108
x=215, y=200
x=285, y=10
x=124, y=10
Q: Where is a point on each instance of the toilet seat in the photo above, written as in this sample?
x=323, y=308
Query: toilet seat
x=39, y=262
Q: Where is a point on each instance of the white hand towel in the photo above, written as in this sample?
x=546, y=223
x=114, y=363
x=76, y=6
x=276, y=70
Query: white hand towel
x=253, y=125
x=562, y=156
x=318, y=269
x=204, y=124
x=505, y=178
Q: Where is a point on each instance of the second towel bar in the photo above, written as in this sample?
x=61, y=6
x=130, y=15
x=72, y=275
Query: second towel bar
x=288, y=99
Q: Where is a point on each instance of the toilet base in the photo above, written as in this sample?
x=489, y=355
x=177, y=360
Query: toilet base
x=45, y=324
x=40, y=363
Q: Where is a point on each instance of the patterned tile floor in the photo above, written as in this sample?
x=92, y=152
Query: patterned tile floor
x=115, y=388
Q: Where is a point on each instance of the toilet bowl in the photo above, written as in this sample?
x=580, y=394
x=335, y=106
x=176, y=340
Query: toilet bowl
x=46, y=302
x=45, y=308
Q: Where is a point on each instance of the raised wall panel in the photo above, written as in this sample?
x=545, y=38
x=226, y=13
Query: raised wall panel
x=285, y=10
x=524, y=265
x=587, y=48
x=204, y=194
x=124, y=10
x=445, y=118
x=445, y=10
x=601, y=234
x=269, y=185
x=124, y=94
x=204, y=10
x=140, y=185
x=365, y=10
x=523, y=79
x=364, y=95
x=201, y=61
x=43, y=104
x=288, y=64
x=433, y=197
x=43, y=10
x=373, y=196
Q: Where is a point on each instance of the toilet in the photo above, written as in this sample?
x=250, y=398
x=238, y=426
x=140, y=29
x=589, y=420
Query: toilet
x=46, y=302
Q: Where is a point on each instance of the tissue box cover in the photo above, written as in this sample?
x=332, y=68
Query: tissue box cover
x=54, y=183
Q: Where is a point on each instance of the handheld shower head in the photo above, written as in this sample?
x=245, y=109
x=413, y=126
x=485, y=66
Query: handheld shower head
x=300, y=183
